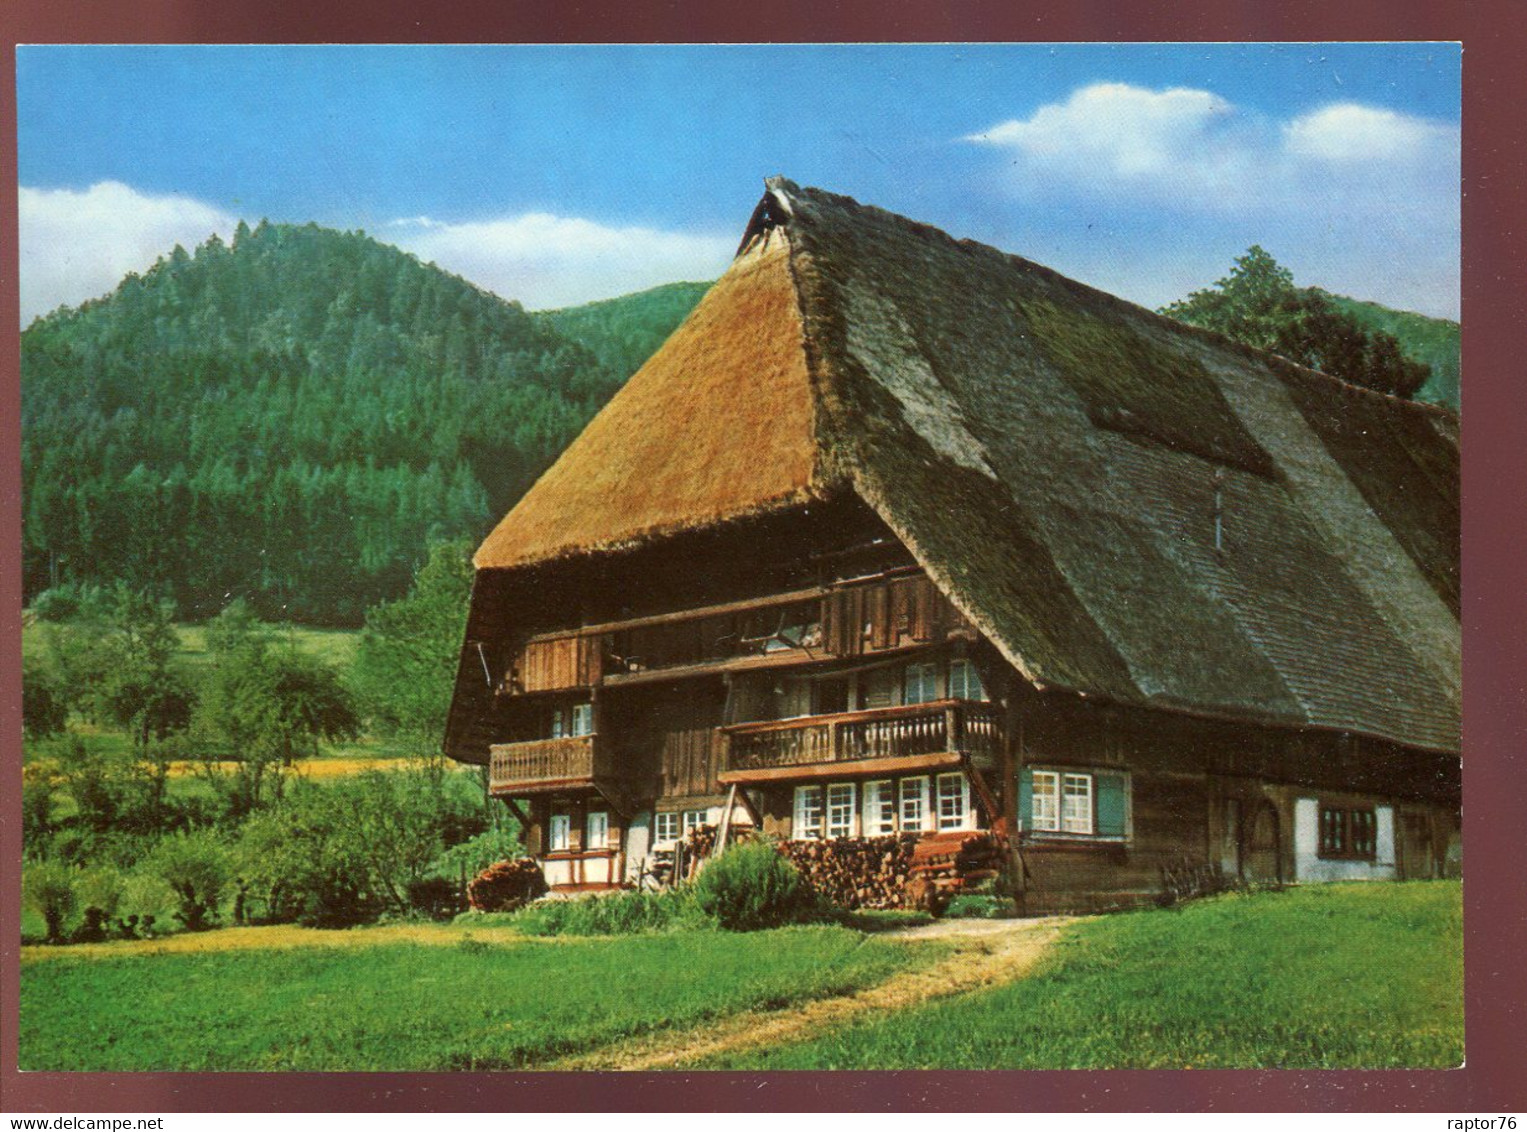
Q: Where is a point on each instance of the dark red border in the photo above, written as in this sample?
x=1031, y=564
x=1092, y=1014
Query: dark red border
x=1495, y=549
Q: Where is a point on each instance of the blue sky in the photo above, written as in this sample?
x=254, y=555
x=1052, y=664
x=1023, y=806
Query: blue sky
x=555, y=175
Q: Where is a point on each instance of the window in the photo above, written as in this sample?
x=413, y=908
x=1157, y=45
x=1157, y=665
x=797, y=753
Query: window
x=1045, y=813
x=561, y=833
x=965, y=681
x=921, y=684
x=667, y=827
x=879, y=809
x=808, y=812
x=575, y=719
x=597, y=830
x=1074, y=803
x=693, y=820
x=914, y=805
x=1348, y=832
x=953, y=801
x=840, y=809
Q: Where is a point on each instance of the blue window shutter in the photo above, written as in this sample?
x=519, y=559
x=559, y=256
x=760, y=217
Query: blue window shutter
x=1112, y=805
x=1025, y=798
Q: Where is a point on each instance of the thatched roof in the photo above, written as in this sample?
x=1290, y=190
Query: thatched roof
x=1055, y=458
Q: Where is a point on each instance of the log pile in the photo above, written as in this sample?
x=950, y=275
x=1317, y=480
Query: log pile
x=945, y=864
x=856, y=872
x=505, y=886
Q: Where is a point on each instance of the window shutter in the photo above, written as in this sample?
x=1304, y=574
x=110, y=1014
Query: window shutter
x=1025, y=798
x=1112, y=805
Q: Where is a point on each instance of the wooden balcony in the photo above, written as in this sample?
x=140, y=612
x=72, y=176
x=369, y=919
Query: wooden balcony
x=542, y=765
x=880, y=740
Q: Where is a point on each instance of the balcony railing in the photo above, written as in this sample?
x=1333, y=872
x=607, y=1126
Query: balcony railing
x=913, y=729
x=540, y=762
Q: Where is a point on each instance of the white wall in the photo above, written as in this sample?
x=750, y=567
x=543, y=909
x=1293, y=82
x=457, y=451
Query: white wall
x=557, y=872
x=1310, y=868
x=638, y=845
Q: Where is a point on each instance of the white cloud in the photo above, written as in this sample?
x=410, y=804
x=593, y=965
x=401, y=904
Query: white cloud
x=544, y=260
x=1358, y=199
x=1192, y=149
x=1347, y=132
x=78, y=245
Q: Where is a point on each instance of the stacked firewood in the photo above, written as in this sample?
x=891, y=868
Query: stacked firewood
x=856, y=872
x=946, y=864
x=507, y=885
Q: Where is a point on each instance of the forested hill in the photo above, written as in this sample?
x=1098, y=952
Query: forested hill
x=1430, y=340
x=292, y=417
x=623, y=333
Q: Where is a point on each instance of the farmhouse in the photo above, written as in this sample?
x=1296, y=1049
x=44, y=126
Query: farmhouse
x=902, y=536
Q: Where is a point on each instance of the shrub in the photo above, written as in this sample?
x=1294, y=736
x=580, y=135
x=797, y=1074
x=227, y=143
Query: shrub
x=342, y=852
x=751, y=886
x=196, y=867
x=436, y=897
x=968, y=906
x=147, y=903
x=48, y=889
x=99, y=893
x=506, y=886
x=470, y=857
x=620, y=913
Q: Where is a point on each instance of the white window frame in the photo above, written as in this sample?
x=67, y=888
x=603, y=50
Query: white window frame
x=559, y=833
x=879, y=818
x=1077, y=814
x=926, y=676
x=965, y=681
x=959, y=817
x=693, y=820
x=665, y=828
x=913, y=791
x=841, y=808
x=809, y=819
x=1045, y=789
x=596, y=830
x=582, y=722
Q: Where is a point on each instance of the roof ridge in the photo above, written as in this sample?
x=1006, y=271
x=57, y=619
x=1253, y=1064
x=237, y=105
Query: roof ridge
x=780, y=184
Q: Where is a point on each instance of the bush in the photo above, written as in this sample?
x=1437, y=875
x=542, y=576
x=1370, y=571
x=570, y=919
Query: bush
x=147, y=904
x=751, y=886
x=472, y=856
x=99, y=893
x=196, y=867
x=342, y=852
x=436, y=897
x=621, y=913
x=48, y=889
x=506, y=886
x=968, y=906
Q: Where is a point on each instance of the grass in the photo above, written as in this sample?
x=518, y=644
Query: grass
x=488, y=1001
x=1331, y=976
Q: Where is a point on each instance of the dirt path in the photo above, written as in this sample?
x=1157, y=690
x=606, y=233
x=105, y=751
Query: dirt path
x=987, y=952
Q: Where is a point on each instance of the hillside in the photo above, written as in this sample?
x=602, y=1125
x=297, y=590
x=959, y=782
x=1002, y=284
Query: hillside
x=292, y=417
x=1430, y=340
x=624, y=332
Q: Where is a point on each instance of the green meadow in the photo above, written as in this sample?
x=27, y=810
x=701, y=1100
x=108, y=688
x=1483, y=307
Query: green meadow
x=1325, y=977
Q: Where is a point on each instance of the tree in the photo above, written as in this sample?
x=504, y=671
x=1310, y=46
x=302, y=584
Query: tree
x=44, y=711
x=405, y=665
x=1258, y=304
x=275, y=706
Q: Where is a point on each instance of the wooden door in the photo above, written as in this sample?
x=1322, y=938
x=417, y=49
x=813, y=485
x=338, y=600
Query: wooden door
x=1418, y=859
x=1261, y=847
